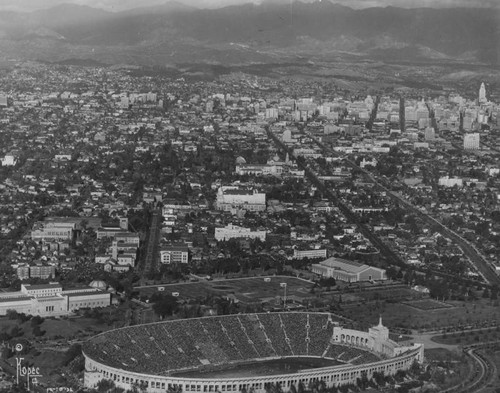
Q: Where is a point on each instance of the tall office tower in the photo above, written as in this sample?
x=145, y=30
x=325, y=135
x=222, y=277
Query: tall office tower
x=471, y=141
x=429, y=134
x=482, y=93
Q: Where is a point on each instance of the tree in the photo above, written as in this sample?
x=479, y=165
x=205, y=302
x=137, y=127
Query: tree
x=37, y=331
x=36, y=320
x=400, y=375
x=175, y=389
x=74, y=351
x=344, y=389
x=494, y=292
x=104, y=385
x=164, y=305
x=16, y=331
x=379, y=378
x=12, y=314
x=134, y=388
x=415, y=368
x=59, y=186
x=363, y=381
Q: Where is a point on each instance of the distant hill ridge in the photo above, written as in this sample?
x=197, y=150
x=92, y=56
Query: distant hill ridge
x=274, y=24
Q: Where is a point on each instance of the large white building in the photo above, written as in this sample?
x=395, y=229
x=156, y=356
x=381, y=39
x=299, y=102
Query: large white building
x=53, y=231
x=471, y=141
x=430, y=133
x=287, y=136
x=272, y=113
x=51, y=300
x=275, y=169
x=174, y=254
x=9, y=160
x=235, y=232
x=231, y=198
x=301, y=254
x=447, y=181
x=482, y=94
x=37, y=270
x=350, y=271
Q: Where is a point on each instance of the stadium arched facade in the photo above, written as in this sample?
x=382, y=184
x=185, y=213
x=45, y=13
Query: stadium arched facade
x=156, y=355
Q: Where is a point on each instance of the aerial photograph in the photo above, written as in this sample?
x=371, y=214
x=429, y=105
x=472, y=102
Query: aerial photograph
x=250, y=196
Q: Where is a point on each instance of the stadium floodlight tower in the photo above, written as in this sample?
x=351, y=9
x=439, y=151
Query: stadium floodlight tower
x=283, y=285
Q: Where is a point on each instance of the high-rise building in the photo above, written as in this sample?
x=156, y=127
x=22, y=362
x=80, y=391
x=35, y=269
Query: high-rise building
x=287, y=136
x=430, y=134
x=471, y=141
x=482, y=93
x=271, y=113
x=124, y=103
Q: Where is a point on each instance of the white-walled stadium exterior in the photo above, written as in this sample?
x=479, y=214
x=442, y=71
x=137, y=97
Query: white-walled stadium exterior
x=107, y=356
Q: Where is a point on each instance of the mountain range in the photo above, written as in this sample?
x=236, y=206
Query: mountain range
x=271, y=31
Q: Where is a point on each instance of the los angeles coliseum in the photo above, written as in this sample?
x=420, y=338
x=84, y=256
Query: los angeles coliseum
x=208, y=354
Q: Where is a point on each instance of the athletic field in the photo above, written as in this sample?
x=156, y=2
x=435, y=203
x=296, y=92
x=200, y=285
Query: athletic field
x=260, y=368
x=246, y=290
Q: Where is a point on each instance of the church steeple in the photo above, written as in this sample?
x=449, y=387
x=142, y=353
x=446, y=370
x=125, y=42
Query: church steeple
x=380, y=320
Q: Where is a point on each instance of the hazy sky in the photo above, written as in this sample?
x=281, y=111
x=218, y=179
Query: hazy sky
x=119, y=5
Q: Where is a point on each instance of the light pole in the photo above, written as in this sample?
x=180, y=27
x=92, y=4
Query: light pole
x=283, y=285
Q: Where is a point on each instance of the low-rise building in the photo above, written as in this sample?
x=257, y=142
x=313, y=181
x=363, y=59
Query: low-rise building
x=51, y=300
x=53, y=231
x=38, y=270
x=236, y=232
x=231, y=197
x=350, y=271
x=174, y=254
x=9, y=160
x=301, y=254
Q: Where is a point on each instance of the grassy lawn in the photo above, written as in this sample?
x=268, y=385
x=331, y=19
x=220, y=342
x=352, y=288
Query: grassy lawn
x=72, y=328
x=428, y=304
x=246, y=289
x=49, y=362
x=55, y=329
x=469, y=337
x=47, y=352
x=391, y=294
x=441, y=355
x=400, y=315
